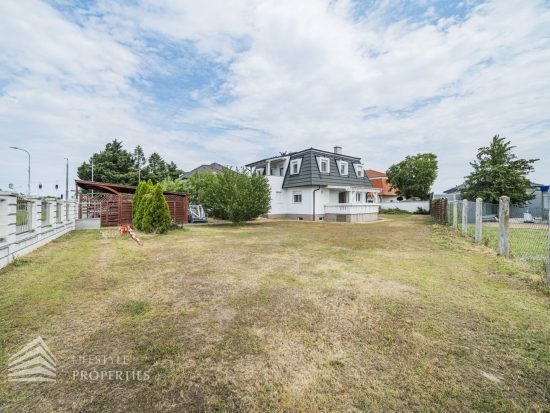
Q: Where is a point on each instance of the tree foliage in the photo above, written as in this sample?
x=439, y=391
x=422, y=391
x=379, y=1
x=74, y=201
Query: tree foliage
x=498, y=172
x=234, y=194
x=414, y=176
x=156, y=213
x=142, y=190
x=191, y=186
x=116, y=165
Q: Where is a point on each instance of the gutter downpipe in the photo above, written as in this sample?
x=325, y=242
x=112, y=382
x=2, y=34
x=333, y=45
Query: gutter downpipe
x=315, y=190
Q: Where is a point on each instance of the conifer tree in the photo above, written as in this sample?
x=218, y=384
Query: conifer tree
x=499, y=172
x=156, y=216
x=137, y=216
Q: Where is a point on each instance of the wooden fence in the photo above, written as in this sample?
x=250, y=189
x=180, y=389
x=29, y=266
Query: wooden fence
x=115, y=210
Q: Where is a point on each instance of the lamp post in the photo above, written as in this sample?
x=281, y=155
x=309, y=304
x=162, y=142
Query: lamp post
x=67, y=181
x=29, y=185
x=92, y=177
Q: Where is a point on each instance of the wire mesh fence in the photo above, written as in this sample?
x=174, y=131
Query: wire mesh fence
x=471, y=220
x=527, y=229
x=529, y=235
x=22, y=218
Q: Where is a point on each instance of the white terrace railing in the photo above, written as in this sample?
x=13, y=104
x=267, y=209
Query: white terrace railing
x=351, y=208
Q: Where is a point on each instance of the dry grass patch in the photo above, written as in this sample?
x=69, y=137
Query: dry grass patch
x=281, y=316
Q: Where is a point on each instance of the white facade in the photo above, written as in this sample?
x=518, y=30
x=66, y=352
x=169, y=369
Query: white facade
x=330, y=201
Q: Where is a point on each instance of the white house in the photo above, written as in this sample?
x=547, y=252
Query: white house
x=319, y=185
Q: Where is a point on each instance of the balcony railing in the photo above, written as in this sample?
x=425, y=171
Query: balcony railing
x=351, y=208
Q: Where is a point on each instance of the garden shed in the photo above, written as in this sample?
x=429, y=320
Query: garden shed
x=112, y=203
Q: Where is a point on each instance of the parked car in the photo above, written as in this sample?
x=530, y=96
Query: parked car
x=196, y=214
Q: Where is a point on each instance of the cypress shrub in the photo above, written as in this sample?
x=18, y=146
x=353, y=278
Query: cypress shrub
x=156, y=216
x=137, y=216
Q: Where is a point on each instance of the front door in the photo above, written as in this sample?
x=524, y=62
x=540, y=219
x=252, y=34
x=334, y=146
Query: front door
x=342, y=197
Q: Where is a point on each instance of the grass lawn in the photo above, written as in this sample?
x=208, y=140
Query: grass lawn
x=529, y=245
x=401, y=315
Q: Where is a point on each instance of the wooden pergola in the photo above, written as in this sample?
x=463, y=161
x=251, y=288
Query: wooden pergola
x=112, y=203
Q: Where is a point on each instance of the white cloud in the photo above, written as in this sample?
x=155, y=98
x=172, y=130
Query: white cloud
x=297, y=74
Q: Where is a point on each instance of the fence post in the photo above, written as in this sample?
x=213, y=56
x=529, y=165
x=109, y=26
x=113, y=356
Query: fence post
x=8, y=213
x=503, y=226
x=548, y=258
x=455, y=214
x=479, y=219
x=448, y=212
x=35, y=216
x=465, y=216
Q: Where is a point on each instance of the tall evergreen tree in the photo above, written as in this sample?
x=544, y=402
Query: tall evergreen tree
x=117, y=166
x=158, y=170
x=498, y=172
x=112, y=165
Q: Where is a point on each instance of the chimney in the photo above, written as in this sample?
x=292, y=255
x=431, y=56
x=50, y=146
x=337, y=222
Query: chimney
x=338, y=150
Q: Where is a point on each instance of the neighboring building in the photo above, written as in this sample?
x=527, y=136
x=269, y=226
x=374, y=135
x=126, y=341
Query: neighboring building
x=540, y=191
x=213, y=167
x=318, y=185
x=380, y=180
x=454, y=190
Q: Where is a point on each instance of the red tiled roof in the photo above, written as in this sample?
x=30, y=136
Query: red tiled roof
x=371, y=173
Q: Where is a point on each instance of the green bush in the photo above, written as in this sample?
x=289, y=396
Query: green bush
x=421, y=211
x=235, y=194
x=393, y=211
x=156, y=213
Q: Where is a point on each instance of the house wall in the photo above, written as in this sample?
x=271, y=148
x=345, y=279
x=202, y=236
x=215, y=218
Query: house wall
x=411, y=206
x=388, y=198
x=13, y=245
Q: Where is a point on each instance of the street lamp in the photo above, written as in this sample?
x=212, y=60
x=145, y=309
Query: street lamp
x=29, y=186
x=67, y=181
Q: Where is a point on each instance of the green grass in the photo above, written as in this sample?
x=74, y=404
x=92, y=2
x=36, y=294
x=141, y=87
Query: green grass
x=529, y=245
x=401, y=315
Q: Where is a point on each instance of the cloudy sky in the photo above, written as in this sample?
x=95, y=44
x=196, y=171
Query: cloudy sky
x=233, y=81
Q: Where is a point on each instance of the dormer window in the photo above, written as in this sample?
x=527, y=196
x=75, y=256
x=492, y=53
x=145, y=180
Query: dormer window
x=359, y=170
x=295, y=166
x=343, y=168
x=324, y=165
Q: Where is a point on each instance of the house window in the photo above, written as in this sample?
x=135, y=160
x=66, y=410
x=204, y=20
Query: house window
x=324, y=165
x=360, y=171
x=272, y=171
x=358, y=197
x=343, y=168
x=279, y=197
x=282, y=171
x=294, y=167
x=297, y=196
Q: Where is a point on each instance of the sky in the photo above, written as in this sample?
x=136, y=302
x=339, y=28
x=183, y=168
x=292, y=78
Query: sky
x=235, y=81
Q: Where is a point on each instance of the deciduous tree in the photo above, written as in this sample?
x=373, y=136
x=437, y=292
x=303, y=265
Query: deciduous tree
x=414, y=176
x=235, y=194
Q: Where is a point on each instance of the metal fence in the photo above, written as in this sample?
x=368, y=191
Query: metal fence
x=22, y=218
x=58, y=213
x=525, y=230
x=44, y=212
